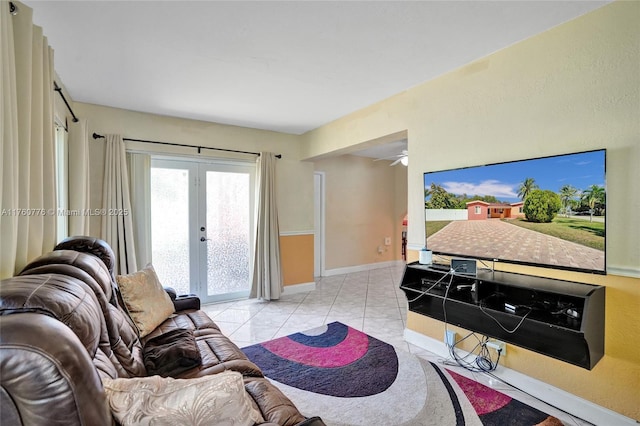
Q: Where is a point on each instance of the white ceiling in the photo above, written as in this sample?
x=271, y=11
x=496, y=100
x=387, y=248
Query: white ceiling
x=283, y=66
x=387, y=151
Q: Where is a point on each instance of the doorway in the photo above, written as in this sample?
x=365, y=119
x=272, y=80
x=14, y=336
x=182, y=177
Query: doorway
x=201, y=227
x=319, y=223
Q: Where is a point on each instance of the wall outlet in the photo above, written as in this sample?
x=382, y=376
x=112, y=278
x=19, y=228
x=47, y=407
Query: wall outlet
x=449, y=338
x=387, y=241
x=498, y=345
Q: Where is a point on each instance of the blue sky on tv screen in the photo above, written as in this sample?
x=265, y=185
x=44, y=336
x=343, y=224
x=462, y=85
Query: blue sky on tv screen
x=502, y=180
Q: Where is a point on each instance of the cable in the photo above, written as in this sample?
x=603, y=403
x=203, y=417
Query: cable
x=430, y=288
x=441, y=256
x=498, y=322
x=487, y=267
x=482, y=361
x=446, y=293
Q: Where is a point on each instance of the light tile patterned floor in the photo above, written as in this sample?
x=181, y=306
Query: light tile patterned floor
x=369, y=301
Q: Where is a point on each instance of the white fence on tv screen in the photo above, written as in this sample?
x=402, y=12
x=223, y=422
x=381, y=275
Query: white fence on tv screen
x=446, y=214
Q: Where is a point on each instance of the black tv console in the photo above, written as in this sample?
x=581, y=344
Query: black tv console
x=561, y=319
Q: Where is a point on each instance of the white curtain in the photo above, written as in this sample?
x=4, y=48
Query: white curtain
x=79, y=176
x=267, y=271
x=140, y=179
x=117, y=225
x=27, y=148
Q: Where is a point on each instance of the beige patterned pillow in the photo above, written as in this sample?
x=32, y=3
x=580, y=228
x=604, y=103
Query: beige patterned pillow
x=219, y=399
x=145, y=299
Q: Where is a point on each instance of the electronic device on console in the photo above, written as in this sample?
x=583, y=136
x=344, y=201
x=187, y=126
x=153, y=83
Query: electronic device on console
x=464, y=267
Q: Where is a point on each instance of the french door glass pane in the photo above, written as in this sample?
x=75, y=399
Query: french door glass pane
x=170, y=226
x=228, y=232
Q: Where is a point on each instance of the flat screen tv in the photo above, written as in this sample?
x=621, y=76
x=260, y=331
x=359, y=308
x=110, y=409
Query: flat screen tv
x=547, y=212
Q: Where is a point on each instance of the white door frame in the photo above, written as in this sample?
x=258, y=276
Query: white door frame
x=200, y=219
x=197, y=169
x=319, y=198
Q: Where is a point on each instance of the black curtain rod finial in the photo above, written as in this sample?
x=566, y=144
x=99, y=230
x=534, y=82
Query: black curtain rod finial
x=97, y=136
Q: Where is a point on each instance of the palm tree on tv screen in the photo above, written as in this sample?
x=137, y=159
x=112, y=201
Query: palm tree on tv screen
x=567, y=195
x=439, y=198
x=525, y=188
x=594, y=197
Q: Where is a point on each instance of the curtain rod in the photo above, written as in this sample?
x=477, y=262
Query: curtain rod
x=199, y=148
x=59, y=90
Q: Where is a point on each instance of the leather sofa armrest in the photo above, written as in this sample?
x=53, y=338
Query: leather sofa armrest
x=171, y=292
x=184, y=301
x=187, y=301
x=47, y=375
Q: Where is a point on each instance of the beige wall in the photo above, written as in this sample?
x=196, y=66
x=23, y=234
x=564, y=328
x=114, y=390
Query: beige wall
x=294, y=178
x=365, y=202
x=369, y=198
x=572, y=88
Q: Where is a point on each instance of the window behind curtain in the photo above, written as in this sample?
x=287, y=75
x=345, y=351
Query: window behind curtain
x=62, y=183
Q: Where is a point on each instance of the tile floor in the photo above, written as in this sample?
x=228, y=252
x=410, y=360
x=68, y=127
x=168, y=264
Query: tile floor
x=369, y=301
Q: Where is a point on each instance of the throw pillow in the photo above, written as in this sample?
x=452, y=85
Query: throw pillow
x=145, y=299
x=209, y=400
x=171, y=353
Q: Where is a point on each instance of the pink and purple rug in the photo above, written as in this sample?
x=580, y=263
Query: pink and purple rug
x=350, y=378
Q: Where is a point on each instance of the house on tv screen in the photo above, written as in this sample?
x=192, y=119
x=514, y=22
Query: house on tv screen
x=480, y=210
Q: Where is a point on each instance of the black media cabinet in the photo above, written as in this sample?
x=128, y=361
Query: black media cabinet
x=561, y=319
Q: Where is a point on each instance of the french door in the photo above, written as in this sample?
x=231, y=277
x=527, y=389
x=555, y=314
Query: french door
x=201, y=227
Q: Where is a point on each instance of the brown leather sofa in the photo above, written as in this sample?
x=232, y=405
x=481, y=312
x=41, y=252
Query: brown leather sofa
x=63, y=330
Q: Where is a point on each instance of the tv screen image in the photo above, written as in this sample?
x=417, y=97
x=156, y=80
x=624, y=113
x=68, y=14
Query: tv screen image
x=547, y=212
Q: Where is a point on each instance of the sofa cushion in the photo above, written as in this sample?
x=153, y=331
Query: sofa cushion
x=171, y=353
x=145, y=299
x=217, y=399
x=218, y=352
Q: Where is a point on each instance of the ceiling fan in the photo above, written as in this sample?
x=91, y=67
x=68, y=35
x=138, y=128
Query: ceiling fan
x=402, y=158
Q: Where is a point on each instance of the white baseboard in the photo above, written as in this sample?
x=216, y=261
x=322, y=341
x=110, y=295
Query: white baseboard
x=299, y=288
x=623, y=271
x=362, y=268
x=294, y=233
x=552, y=395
